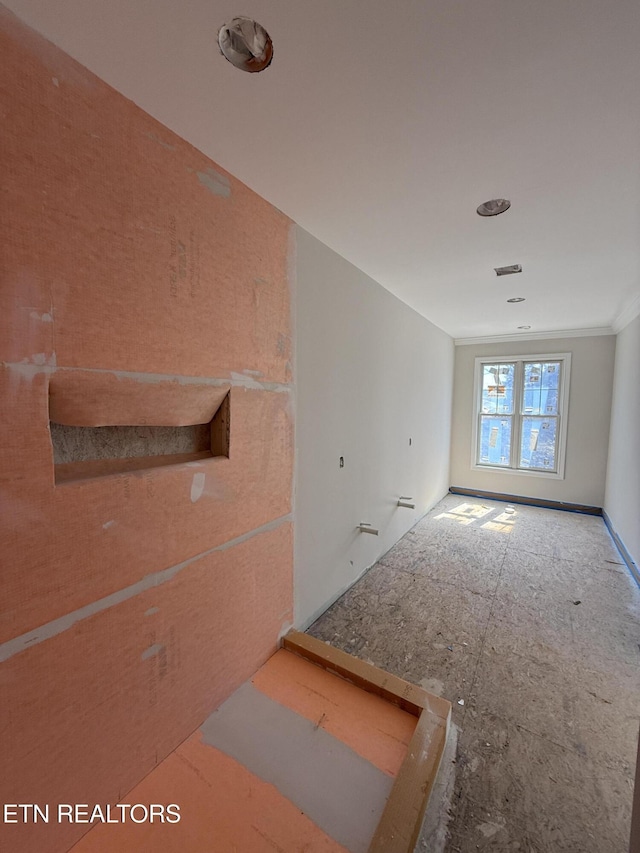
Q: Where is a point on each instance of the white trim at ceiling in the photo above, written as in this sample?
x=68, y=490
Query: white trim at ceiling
x=628, y=313
x=535, y=336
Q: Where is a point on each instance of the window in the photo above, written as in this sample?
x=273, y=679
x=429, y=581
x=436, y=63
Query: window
x=520, y=414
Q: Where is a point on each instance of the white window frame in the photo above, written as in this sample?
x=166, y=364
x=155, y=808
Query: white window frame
x=518, y=414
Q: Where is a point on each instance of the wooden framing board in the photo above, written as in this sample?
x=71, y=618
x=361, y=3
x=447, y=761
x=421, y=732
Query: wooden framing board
x=401, y=820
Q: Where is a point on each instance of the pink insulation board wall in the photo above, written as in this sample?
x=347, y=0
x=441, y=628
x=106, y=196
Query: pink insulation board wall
x=131, y=604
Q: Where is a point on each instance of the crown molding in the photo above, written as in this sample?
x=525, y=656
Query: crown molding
x=535, y=336
x=628, y=313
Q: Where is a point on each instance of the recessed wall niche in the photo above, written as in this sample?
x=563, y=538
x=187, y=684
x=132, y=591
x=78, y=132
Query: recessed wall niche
x=102, y=425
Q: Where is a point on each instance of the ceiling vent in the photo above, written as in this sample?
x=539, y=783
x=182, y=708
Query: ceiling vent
x=510, y=270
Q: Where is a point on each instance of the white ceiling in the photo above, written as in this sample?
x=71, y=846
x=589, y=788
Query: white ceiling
x=380, y=127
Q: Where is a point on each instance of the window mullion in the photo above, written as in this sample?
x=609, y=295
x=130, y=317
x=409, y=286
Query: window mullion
x=517, y=413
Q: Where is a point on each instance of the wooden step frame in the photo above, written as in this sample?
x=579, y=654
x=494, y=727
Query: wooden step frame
x=401, y=821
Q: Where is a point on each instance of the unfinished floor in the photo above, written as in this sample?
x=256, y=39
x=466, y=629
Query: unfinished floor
x=529, y=618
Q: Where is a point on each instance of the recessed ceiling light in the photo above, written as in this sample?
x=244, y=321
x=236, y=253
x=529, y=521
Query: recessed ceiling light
x=524, y=327
x=246, y=44
x=516, y=299
x=493, y=207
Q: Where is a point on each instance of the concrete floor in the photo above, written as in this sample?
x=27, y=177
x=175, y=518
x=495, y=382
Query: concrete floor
x=531, y=619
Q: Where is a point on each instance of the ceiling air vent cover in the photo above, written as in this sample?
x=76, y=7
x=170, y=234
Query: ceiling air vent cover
x=510, y=270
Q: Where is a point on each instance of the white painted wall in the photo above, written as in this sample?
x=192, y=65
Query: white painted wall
x=371, y=374
x=622, y=497
x=592, y=360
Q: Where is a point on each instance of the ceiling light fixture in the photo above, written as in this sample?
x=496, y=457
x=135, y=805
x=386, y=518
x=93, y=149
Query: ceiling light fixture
x=246, y=44
x=493, y=207
x=516, y=299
